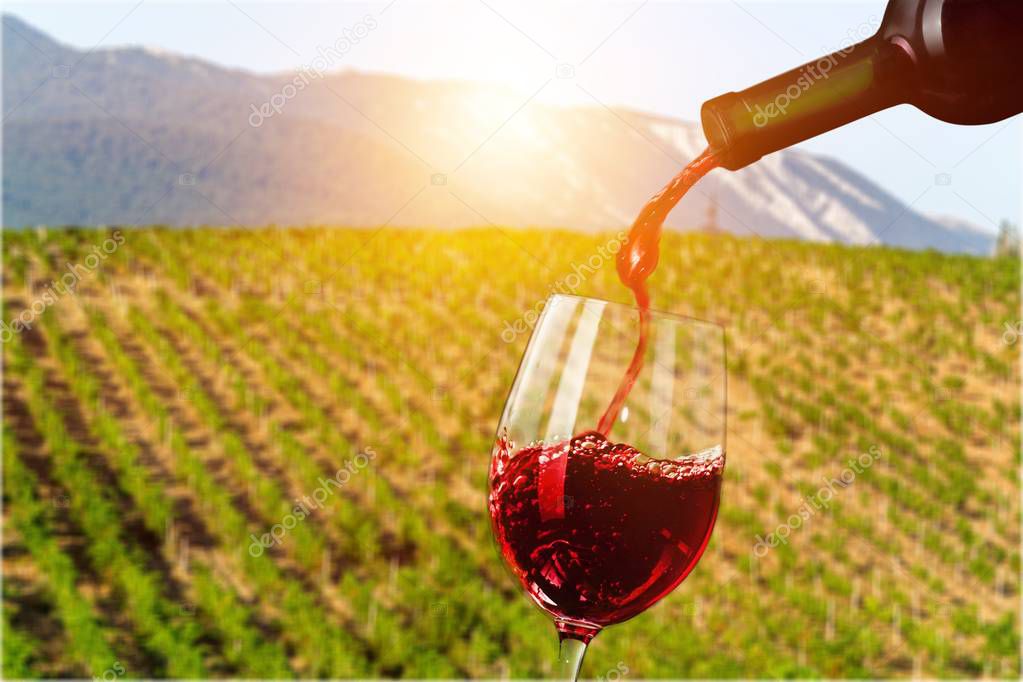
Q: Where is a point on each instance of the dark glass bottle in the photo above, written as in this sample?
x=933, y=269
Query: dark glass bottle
x=953, y=59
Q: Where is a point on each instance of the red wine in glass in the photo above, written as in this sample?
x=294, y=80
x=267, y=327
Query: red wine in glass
x=596, y=531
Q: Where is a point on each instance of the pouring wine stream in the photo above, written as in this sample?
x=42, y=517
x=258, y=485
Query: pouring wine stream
x=638, y=259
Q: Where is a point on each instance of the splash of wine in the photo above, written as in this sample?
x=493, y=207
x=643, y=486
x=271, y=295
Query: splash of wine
x=638, y=259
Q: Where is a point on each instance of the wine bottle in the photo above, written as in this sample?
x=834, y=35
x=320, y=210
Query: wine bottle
x=952, y=59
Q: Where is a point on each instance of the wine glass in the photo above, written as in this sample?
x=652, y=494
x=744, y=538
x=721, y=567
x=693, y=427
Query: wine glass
x=598, y=527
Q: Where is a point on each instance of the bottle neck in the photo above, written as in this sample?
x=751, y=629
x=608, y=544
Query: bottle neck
x=809, y=100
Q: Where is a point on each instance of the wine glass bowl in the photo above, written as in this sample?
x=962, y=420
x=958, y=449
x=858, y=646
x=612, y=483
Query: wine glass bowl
x=599, y=527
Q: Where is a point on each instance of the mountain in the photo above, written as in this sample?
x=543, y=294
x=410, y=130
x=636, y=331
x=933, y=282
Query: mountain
x=136, y=136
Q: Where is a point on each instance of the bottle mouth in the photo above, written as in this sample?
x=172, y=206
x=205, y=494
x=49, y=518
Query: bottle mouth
x=714, y=128
x=719, y=131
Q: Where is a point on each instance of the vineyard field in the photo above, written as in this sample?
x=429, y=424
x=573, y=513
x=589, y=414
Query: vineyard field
x=263, y=453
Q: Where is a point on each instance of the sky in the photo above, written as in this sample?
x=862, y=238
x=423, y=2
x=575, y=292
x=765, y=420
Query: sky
x=662, y=57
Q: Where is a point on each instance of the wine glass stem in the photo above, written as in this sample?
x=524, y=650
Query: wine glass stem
x=570, y=658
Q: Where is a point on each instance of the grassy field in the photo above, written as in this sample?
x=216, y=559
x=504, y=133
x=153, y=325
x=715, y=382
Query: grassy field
x=172, y=407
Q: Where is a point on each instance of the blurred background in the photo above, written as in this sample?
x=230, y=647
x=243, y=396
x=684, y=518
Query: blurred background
x=269, y=269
